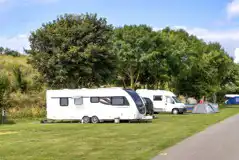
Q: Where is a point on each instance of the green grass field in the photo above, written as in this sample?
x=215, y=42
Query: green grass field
x=31, y=140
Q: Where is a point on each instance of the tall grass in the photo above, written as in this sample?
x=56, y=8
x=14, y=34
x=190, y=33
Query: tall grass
x=26, y=105
x=27, y=97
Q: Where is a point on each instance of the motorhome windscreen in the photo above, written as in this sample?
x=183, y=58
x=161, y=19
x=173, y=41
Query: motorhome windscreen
x=137, y=100
x=176, y=100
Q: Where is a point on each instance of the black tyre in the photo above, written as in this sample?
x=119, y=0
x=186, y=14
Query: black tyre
x=86, y=119
x=95, y=119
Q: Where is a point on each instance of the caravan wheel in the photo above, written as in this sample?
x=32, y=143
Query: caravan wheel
x=86, y=119
x=95, y=119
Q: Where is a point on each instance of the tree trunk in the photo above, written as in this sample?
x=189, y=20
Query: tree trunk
x=124, y=83
x=132, y=84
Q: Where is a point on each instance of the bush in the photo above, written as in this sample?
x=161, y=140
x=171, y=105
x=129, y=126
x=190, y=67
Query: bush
x=4, y=89
x=27, y=105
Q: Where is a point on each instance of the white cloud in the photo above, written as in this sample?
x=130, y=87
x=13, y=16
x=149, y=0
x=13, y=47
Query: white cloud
x=18, y=42
x=236, y=59
x=233, y=9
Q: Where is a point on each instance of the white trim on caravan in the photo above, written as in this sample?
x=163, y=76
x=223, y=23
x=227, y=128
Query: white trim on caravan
x=95, y=105
x=163, y=101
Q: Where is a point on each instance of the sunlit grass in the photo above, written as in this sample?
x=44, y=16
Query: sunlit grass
x=125, y=141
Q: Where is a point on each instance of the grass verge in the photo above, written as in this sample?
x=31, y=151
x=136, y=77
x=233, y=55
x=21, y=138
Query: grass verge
x=34, y=141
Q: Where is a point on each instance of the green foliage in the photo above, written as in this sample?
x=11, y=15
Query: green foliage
x=4, y=89
x=85, y=51
x=73, y=51
x=7, y=51
x=134, y=45
x=21, y=83
x=22, y=101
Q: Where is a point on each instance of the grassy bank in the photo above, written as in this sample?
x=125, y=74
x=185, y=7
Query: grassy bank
x=31, y=140
x=26, y=97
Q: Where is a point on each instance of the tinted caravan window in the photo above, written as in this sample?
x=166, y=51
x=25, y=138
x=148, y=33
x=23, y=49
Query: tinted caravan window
x=117, y=100
x=105, y=100
x=94, y=99
x=64, y=101
x=78, y=101
x=137, y=100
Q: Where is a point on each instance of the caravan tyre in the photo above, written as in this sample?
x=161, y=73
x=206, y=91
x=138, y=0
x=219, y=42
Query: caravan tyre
x=95, y=119
x=86, y=119
x=175, y=111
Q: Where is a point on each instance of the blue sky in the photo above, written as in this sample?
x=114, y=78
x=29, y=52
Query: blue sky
x=212, y=20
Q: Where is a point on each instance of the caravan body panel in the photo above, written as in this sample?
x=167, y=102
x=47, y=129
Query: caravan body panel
x=105, y=103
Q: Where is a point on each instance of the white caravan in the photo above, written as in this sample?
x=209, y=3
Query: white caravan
x=95, y=105
x=163, y=101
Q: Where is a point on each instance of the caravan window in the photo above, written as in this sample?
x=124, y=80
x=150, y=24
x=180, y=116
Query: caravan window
x=105, y=100
x=78, y=101
x=64, y=102
x=158, y=98
x=119, y=101
x=94, y=99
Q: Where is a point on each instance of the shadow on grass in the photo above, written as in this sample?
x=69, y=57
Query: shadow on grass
x=105, y=122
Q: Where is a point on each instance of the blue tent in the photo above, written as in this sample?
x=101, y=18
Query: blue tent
x=233, y=100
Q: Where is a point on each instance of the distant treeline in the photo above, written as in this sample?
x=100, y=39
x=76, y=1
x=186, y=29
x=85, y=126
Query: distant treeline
x=8, y=51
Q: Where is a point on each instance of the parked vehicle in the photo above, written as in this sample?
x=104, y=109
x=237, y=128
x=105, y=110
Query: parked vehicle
x=163, y=101
x=95, y=105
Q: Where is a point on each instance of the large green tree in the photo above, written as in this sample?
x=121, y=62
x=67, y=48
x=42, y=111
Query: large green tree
x=196, y=68
x=134, y=45
x=73, y=51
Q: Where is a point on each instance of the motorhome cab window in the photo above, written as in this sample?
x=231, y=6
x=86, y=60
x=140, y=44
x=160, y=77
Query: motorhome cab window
x=169, y=100
x=176, y=100
x=158, y=98
x=64, y=102
x=94, y=99
x=78, y=101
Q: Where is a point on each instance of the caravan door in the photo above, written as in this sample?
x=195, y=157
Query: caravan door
x=159, y=103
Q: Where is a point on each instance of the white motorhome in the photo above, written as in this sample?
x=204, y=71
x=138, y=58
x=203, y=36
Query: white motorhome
x=95, y=105
x=163, y=101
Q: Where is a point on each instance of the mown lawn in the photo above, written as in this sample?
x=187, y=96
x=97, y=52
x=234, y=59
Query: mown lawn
x=125, y=141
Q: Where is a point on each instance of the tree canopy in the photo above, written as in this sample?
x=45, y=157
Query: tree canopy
x=73, y=51
x=85, y=51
